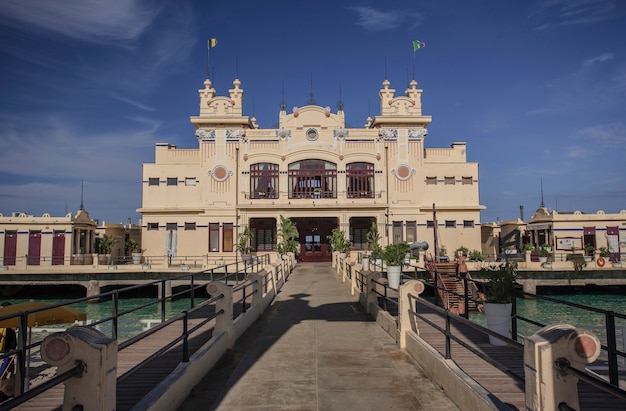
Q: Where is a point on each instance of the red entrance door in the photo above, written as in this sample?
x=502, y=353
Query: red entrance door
x=34, y=248
x=58, y=248
x=10, y=247
x=314, y=233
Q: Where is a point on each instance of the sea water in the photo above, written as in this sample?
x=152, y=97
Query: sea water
x=548, y=313
x=542, y=311
x=129, y=325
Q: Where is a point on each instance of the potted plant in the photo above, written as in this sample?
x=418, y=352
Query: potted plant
x=544, y=252
x=589, y=250
x=372, y=238
x=133, y=249
x=106, y=245
x=338, y=241
x=393, y=255
x=243, y=245
x=288, y=235
x=499, y=293
x=476, y=255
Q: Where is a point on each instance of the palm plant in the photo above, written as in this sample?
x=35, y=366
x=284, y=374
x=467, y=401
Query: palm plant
x=372, y=238
x=288, y=235
x=338, y=241
x=244, y=244
x=106, y=243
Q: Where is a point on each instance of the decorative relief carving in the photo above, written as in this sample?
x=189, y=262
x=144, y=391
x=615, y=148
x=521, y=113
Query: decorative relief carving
x=205, y=133
x=235, y=133
x=341, y=133
x=312, y=134
x=417, y=134
x=388, y=133
x=282, y=133
x=403, y=172
x=220, y=173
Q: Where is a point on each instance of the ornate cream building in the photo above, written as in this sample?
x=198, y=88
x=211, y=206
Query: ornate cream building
x=312, y=169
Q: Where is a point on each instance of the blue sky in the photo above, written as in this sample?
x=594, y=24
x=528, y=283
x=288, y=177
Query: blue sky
x=537, y=89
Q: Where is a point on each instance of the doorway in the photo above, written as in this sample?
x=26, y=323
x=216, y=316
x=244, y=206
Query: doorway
x=314, y=233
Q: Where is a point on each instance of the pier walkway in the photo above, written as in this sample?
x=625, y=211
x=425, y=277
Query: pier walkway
x=316, y=349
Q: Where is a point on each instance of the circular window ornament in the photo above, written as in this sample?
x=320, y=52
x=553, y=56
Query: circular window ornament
x=311, y=134
x=220, y=173
x=403, y=172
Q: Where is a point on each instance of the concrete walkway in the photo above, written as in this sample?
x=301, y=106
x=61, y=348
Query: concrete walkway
x=316, y=349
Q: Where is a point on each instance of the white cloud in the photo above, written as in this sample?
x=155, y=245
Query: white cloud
x=598, y=59
x=63, y=149
x=577, y=152
x=575, y=12
x=609, y=136
x=377, y=20
x=103, y=22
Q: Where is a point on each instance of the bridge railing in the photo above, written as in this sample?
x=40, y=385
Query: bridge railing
x=233, y=275
x=375, y=290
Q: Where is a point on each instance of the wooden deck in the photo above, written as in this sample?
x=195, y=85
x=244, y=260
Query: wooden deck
x=503, y=386
x=135, y=387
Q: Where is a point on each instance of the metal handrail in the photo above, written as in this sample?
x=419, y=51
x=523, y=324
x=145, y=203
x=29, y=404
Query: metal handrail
x=25, y=347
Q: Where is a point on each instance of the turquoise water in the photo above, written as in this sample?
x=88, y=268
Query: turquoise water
x=548, y=313
x=542, y=311
x=128, y=325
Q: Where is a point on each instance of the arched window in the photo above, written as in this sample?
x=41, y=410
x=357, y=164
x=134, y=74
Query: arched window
x=312, y=179
x=264, y=180
x=360, y=180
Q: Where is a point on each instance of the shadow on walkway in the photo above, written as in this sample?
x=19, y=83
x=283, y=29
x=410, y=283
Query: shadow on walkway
x=316, y=349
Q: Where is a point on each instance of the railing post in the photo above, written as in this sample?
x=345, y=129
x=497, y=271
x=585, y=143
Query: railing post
x=407, y=292
x=95, y=389
x=256, y=279
x=372, y=297
x=514, y=317
x=549, y=387
x=611, y=348
x=353, y=273
x=115, y=305
x=224, y=321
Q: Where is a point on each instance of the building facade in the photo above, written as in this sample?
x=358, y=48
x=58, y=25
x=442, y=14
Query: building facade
x=47, y=241
x=313, y=170
x=565, y=231
x=52, y=242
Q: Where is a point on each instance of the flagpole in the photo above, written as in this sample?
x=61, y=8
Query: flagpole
x=413, y=64
x=208, y=52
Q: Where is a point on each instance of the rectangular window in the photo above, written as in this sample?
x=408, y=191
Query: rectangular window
x=172, y=181
x=190, y=226
x=430, y=224
x=467, y=181
x=153, y=181
x=468, y=223
x=449, y=181
x=171, y=226
x=397, y=231
x=431, y=181
x=360, y=180
x=312, y=179
x=411, y=231
x=190, y=181
x=227, y=237
x=214, y=237
x=153, y=226
x=450, y=224
x=264, y=180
